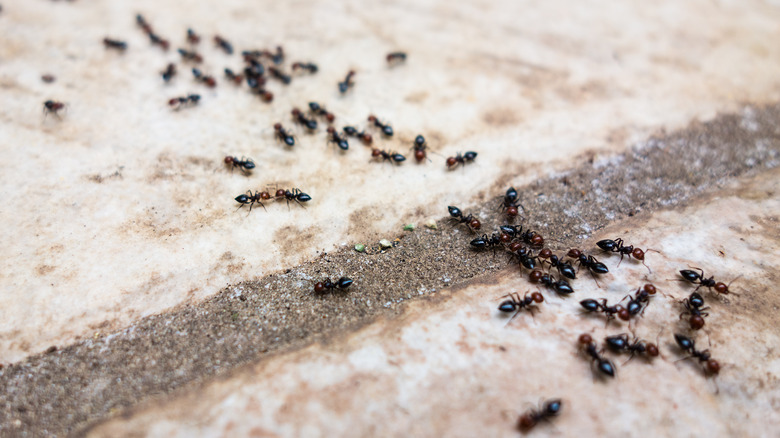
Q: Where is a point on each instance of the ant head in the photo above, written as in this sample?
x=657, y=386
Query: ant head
x=623, y=313
x=712, y=366
x=331, y=130
x=545, y=253
x=278, y=126
x=574, y=253
x=638, y=254
x=585, y=339
x=535, y=276
x=537, y=297
x=649, y=288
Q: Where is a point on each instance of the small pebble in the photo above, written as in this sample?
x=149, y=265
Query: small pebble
x=432, y=224
x=384, y=243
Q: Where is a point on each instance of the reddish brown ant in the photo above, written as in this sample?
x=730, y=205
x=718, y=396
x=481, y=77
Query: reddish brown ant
x=638, y=303
x=334, y=137
x=419, y=147
x=694, y=306
x=396, y=58
x=471, y=222
x=342, y=283
x=392, y=157
x=277, y=74
x=283, y=135
x=509, y=203
x=528, y=236
x=363, y=136
x=300, y=118
x=53, y=107
x=181, y=102
x=688, y=345
x=621, y=344
x=190, y=55
x=524, y=255
x=169, y=72
x=192, y=37
x=605, y=366
x=308, y=66
x=115, y=44
x=561, y=287
x=588, y=261
x=564, y=268
x=235, y=78
x=277, y=57
x=592, y=305
x=321, y=111
x=47, y=78
x=245, y=165
x=516, y=304
x=386, y=129
x=156, y=40
x=347, y=83
x=485, y=241
x=532, y=417
x=252, y=199
x=141, y=21
x=206, y=79
x=617, y=246
x=264, y=94
x=709, y=283
x=453, y=162
x=292, y=195
x=223, y=44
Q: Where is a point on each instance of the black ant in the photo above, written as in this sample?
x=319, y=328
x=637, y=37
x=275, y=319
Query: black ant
x=190, y=55
x=293, y=195
x=255, y=69
x=277, y=58
x=419, y=147
x=393, y=157
x=524, y=255
x=470, y=221
x=616, y=245
x=347, y=83
x=453, y=162
x=560, y=287
x=363, y=136
x=711, y=366
x=283, y=135
x=709, y=283
x=516, y=304
x=48, y=78
x=235, y=78
x=694, y=306
x=321, y=111
x=156, y=40
x=300, y=118
x=386, y=129
x=206, y=79
x=223, y=44
x=396, y=58
x=308, y=66
x=251, y=199
x=192, y=37
x=588, y=261
x=342, y=283
x=509, y=202
x=169, y=72
x=115, y=44
x=181, y=102
x=591, y=305
x=245, y=166
x=53, y=107
x=528, y=236
x=485, y=241
x=276, y=73
x=564, y=268
x=338, y=139
x=141, y=21
x=605, y=366
x=621, y=344
x=638, y=303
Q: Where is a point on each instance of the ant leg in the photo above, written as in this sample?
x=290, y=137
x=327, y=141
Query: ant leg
x=648, y=267
x=628, y=360
x=513, y=316
x=621, y=260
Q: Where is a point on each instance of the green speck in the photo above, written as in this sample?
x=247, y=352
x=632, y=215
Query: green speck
x=409, y=227
x=360, y=247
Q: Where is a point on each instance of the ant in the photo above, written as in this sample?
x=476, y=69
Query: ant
x=453, y=162
x=347, y=83
x=321, y=111
x=143, y=23
x=115, y=44
x=711, y=366
x=419, y=147
x=192, y=37
x=528, y=236
x=564, y=268
x=283, y=135
x=694, y=306
x=155, y=39
x=588, y=261
x=605, y=366
x=485, y=241
x=251, y=199
x=254, y=69
x=223, y=44
x=363, y=136
x=245, y=166
x=523, y=255
x=709, y=283
x=169, y=72
x=620, y=344
x=308, y=66
x=386, y=129
x=516, y=304
x=342, y=283
x=470, y=221
x=48, y=78
x=276, y=73
x=190, y=55
x=609, y=311
x=300, y=118
x=510, y=202
x=293, y=195
x=206, y=79
x=396, y=58
x=616, y=245
x=53, y=107
x=392, y=157
x=264, y=94
x=277, y=58
x=561, y=287
x=180, y=102
x=338, y=139
x=638, y=303
x=237, y=79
